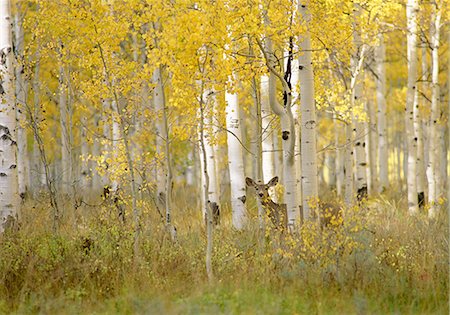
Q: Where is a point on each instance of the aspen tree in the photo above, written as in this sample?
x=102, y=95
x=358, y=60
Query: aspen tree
x=66, y=146
x=308, y=117
x=21, y=100
x=411, y=13
x=9, y=188
x=435, y=183
x=380, y=55
x=356, y=98
x=418, y=129
x=235, y=157
x=268, y=167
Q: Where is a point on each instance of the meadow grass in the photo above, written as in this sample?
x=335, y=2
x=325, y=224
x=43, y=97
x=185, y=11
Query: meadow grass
x=379, y=261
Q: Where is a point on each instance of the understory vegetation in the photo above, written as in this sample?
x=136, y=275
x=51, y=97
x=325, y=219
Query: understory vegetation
x=380, y=260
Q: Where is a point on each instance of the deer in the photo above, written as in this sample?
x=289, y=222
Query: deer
x=328, y=213
x=277, y=212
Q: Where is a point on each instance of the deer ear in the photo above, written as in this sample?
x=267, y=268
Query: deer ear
x=250, y=182
x=273, y=182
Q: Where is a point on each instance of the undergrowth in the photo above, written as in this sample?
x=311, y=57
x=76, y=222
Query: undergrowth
x=377, y=260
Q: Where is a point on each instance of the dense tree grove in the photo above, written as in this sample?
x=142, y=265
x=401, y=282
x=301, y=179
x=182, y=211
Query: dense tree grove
x=311, y=131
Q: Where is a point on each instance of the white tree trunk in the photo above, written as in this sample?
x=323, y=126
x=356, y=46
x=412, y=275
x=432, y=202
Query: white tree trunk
x=9, y=188
x=21, y=99
x=84, y=170
x=66, y=146
x=295, y=85
x=38, y=172
x=411, y=13
x=207, y=209
x=348, y=165
x=235, y=160
x=380, y=55
x=161, y=136
x=106, y=132
x=433, y=169
x=308, y=117
x=356, y=99
x=418, y=131
x=339, y=164
x=371, y=148
x=116, y=138
x=96, y=179
x=268, y=156
x=206, y=139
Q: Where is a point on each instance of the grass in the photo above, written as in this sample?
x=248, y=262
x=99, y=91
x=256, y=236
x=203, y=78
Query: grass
x=381, y=261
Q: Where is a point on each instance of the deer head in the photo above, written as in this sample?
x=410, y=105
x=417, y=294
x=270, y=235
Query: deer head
x=277, y=212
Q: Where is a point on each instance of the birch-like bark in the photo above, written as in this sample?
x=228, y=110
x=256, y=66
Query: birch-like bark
x=163, y=135
x=66, y=129
x=359, y=129
x=418, y=130
x=348, y=165
x=268, y=166
x=9, y=187
x=411, y=13
x=433, y=168
x=84, y=169
x=21, y=99
x=213, y=190
x=308, y=117
x=295, y=85
x=116, y=137
x=160, y=138
x=371, y=139
x=206, y=202
x=96, y=179
x=257, y=153
x=383, y=164
x=235, y=160
x=106, y=133
x=339, y=164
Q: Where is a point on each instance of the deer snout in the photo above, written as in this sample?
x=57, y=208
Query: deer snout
x=261, y=194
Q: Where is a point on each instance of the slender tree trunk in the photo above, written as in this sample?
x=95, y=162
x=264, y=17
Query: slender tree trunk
x=339, y=165
x=308, y=118
x=65, y=144
x=383, y=164
x=356, y=100
x=295, y=85
x=206, y=202
x=9, y=187
x=348, y=165
x=235, y=160
x=411, y=12
x=208, y=100
x=268, y=156
x=418, y=129
x=435, y=182
x=96, y=179
x=163, y=135
x=106, y=132
x=372, y=147
x=21, y=99
x=257, y=154
x=84, y=170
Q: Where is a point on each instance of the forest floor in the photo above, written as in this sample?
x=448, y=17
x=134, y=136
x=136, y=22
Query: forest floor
x=379, y=261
